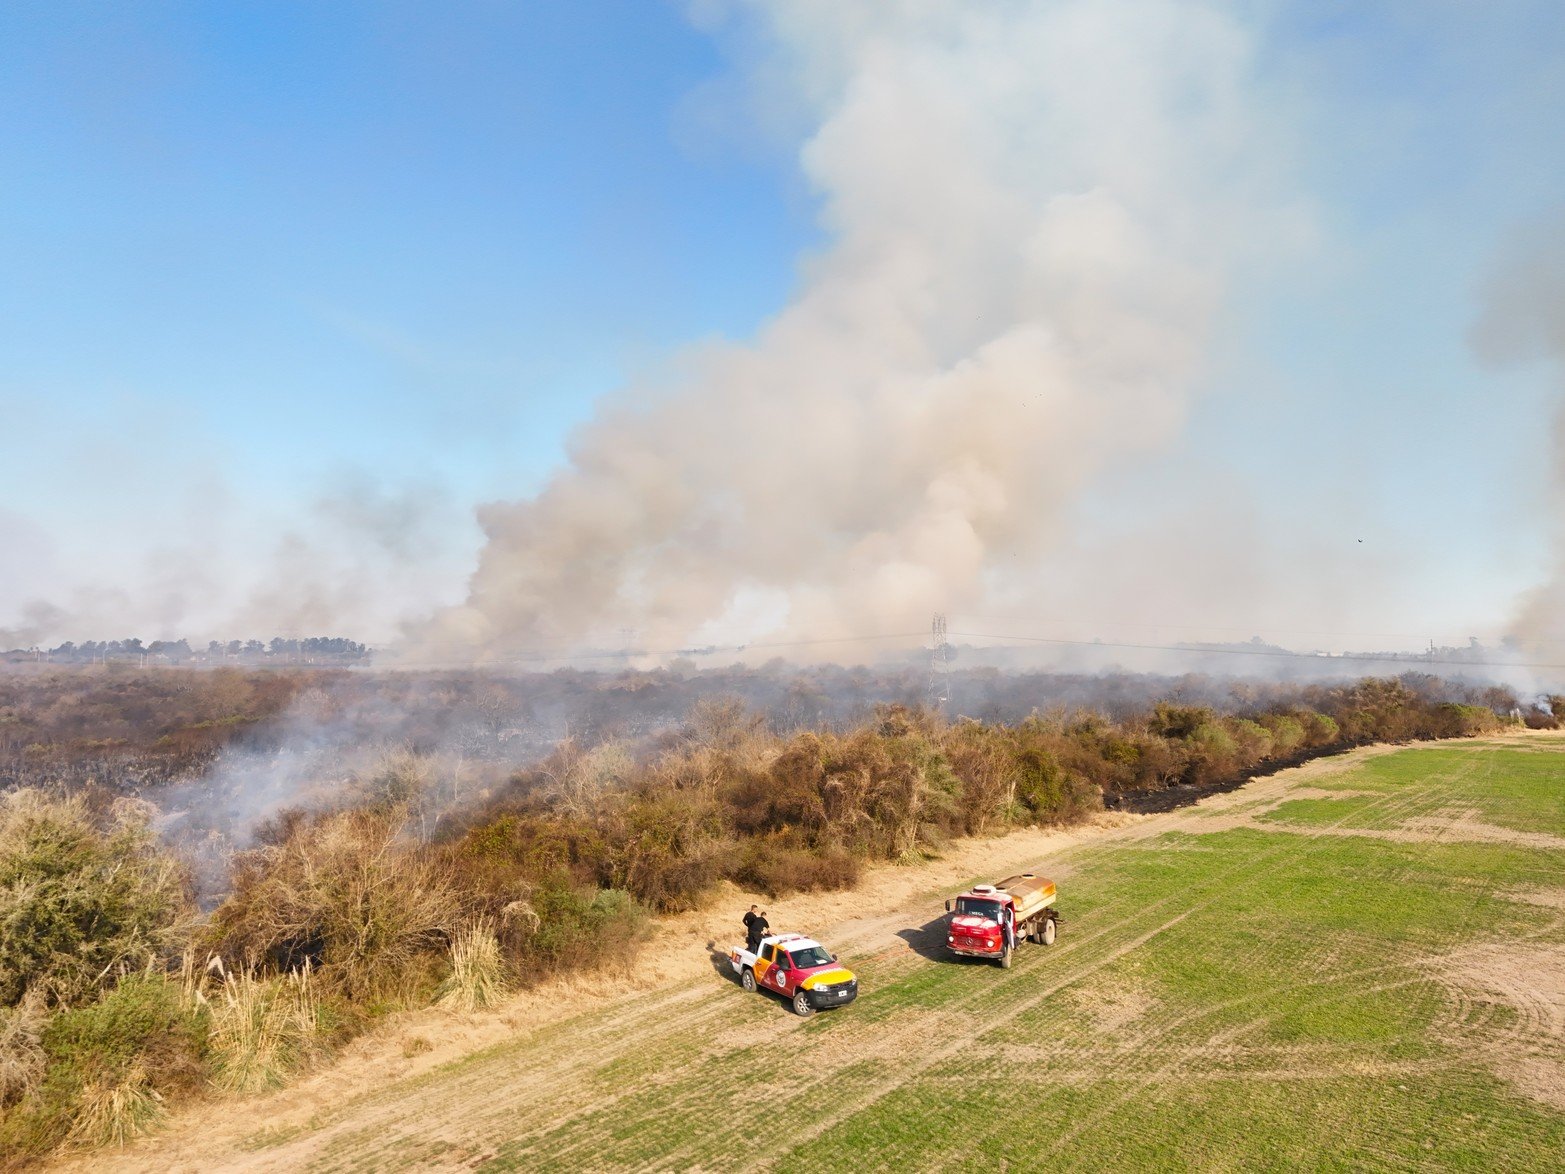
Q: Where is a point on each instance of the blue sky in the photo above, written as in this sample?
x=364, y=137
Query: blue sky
x=258, y=257
x=316, y=233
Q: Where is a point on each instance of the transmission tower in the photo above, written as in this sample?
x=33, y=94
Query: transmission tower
x=938, y=661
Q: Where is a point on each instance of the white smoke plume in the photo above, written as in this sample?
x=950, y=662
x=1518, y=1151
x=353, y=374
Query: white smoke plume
x=1524, y=319
x=1035, y=213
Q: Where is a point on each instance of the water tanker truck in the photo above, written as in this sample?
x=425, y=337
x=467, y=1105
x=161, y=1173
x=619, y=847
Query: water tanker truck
x=987, y=921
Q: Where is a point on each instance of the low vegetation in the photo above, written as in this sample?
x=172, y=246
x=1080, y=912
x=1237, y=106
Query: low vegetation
x=399, y=889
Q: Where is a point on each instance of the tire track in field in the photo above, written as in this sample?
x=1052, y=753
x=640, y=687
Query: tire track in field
x=1219, y=886
x=927, y=1058
x=1147, y=1086
x=569, y=1080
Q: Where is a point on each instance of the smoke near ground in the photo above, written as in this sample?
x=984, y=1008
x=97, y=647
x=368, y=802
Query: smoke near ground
x=1035, y=215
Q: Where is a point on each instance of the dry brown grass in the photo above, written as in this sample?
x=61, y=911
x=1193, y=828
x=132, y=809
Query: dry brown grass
x=477, y=976
x=115, y=1109
x=344, y=892
x=22, y=1059
x=263, y=1030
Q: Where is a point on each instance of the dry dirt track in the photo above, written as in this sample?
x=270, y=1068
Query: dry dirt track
x=548, y=1051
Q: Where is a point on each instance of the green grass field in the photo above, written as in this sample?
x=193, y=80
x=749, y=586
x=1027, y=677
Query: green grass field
x=1363, y=976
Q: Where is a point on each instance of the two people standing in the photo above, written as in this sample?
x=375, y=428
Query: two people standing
x=755, y=928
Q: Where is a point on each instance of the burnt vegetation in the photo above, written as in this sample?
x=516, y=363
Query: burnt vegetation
x=211, y=878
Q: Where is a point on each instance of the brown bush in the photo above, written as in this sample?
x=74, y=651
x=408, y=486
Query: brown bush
x=777, y=869
x=22, y=1057
x=581, y=929
x=343, y=892
x=672, y=849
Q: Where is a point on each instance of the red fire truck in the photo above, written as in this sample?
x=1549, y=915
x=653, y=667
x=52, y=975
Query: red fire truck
x=988, y=921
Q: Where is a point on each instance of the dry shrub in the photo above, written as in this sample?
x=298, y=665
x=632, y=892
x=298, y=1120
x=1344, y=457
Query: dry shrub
x=82, y=900
x=399, y=777
x=980, y=756
x=581, y=929
x=672, y=849
x=22, y=1059
x=776, y=870
x=112, y=1067
x=116, y=1108
x=477, y=977
x=575, y=780
x=495, y=861
x=344, y=893
x=263, y=1031
x=416, y=1045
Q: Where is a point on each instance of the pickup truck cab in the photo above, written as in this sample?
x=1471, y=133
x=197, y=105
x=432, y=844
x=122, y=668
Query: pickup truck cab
x=799, y=969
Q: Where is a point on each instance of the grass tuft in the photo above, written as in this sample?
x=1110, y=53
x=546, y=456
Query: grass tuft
x=22, y=1058
x=263, y=1030
x=113, y=1109
x=477, y=976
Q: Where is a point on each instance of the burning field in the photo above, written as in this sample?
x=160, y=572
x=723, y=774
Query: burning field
x=1323, y=967
x=257, y=877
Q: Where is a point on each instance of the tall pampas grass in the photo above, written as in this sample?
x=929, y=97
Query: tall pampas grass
x=263, y=1030
x=477, y=976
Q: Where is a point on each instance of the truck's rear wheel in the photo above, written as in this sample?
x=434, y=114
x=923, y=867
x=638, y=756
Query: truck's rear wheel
x=747, y=980
x=1047, y=934
x=801, y=1005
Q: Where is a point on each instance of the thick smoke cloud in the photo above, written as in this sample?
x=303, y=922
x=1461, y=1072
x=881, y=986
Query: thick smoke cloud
x=1524, y=320
x=1035, y=213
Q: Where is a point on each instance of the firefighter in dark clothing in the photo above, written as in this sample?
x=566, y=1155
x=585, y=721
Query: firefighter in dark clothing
x=755, y=927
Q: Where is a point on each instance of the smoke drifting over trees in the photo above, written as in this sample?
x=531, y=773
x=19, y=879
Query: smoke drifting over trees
x=1035, y=213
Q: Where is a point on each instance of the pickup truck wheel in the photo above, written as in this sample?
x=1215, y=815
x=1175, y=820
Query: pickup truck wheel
x=1047, y=936
x=747, y=980
x=801, y=1005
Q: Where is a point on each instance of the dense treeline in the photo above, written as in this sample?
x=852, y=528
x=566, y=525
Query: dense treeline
x=118, y=996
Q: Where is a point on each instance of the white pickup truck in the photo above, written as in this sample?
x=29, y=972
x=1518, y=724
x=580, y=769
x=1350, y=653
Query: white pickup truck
x=799, y=969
